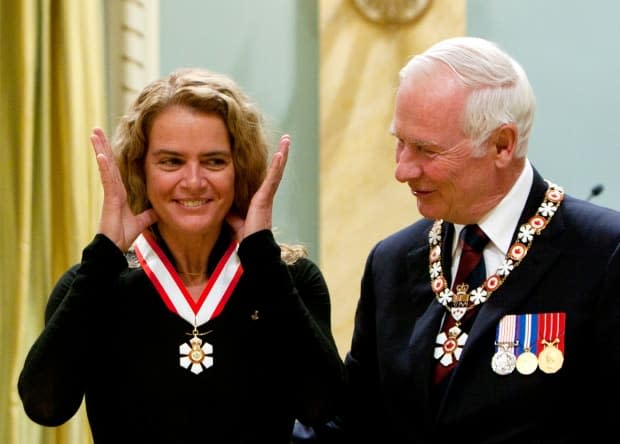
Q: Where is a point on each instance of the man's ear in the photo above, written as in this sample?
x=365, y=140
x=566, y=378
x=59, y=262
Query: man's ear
x=504, y=141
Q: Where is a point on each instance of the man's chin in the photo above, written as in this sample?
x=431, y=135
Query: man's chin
x=426, y=210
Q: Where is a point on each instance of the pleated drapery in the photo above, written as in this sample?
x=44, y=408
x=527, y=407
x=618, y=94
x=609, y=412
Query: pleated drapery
x=52, y=92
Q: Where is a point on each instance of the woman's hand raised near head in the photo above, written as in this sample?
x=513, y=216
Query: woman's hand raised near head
x=117, y=221
x=260, y=211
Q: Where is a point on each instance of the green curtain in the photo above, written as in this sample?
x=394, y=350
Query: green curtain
x=52, y=92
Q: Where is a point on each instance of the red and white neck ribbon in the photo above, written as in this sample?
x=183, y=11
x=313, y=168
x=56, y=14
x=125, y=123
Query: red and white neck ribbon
x=172, y=289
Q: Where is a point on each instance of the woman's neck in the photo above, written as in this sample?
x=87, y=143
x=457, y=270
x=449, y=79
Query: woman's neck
x=191, y=254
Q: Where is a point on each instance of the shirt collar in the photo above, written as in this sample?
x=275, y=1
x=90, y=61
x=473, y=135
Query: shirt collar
x=500, y=223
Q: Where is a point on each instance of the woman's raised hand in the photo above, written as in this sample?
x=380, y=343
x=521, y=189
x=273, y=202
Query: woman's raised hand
x=260, y=211
x=117, y=221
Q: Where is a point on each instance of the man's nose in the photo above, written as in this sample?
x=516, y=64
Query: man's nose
x=407, y=166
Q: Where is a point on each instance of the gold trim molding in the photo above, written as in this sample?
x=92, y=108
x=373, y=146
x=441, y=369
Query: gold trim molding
x=132, y=51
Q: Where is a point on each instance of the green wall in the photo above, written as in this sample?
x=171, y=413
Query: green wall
x=571, y=52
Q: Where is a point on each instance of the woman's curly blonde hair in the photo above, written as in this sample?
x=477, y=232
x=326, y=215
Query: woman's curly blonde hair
x=203, y=91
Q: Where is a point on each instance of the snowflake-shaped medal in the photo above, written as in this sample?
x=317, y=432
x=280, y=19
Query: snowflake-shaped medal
x=448, y=347
x=196, y=355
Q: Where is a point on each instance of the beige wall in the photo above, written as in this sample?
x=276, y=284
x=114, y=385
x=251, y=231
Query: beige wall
x=360, y=201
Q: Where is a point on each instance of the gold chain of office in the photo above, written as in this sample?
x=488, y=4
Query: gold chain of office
x=463, y=300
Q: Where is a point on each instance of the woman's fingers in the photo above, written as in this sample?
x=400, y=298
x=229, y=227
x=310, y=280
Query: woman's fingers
x=260, y=211
x=106, y=161
x=275, y=173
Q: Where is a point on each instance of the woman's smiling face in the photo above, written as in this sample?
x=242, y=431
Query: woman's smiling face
x=190, y=176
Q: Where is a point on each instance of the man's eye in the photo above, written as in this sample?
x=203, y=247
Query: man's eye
x=430, y=150
x=424, y=149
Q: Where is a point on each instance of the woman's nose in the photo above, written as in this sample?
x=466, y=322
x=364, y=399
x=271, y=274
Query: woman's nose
x=194, y=175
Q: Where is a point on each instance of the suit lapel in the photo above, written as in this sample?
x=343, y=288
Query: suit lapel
x=422, y=340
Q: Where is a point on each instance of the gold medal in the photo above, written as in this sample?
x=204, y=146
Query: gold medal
x=196, y=356
x=527, y=363
x=550, y=359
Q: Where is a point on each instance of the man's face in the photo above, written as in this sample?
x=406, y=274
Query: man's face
x=433, y=154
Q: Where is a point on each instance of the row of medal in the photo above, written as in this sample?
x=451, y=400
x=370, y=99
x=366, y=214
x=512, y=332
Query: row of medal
x=527, y=342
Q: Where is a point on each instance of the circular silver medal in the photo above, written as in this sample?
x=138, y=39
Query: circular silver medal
x=503, y=362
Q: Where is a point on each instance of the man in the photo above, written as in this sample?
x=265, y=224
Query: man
x=523, y=356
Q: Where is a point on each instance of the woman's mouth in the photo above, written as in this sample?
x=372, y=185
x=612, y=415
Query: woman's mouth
x=191, y=203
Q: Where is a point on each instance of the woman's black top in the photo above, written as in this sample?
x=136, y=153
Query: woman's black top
x=109, y=338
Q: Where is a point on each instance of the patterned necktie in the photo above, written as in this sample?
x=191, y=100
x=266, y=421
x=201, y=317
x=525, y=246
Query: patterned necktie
x=472, y=272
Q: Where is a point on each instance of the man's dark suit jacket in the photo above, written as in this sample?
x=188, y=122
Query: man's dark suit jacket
x=573, y=266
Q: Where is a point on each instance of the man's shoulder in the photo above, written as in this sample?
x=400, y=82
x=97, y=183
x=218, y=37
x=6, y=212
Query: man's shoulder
x=592, y=216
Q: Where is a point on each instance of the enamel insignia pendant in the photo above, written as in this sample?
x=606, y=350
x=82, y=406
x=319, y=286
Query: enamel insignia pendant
x=448, y=347
x=196, y=355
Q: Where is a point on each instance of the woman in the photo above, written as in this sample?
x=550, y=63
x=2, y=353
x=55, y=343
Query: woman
x=182, y=323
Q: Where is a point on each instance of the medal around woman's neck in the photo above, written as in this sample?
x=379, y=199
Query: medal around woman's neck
x=195, y=354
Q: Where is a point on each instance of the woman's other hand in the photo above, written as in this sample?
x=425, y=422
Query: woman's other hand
x=117, y=221
x=260, y=211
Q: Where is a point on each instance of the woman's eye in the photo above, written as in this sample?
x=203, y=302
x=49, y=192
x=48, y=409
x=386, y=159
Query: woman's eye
x=216, y=163
x=170, y=161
